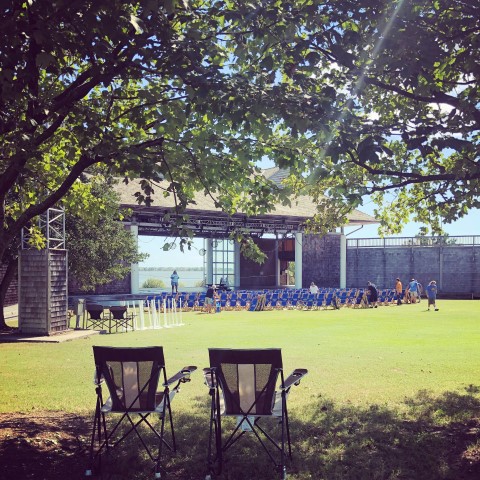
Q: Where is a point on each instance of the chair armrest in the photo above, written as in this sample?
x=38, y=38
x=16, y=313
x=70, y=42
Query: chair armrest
x=182, y=376
x=294, y=378
x=210, y=380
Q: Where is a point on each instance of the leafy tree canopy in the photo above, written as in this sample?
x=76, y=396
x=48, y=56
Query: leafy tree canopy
x=356, y=98
x=404, y=76
x=100, y=249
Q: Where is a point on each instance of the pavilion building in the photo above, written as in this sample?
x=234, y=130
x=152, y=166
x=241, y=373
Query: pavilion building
x=280, y=234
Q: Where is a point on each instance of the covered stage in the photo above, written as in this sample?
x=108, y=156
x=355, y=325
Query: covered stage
x=281, y=234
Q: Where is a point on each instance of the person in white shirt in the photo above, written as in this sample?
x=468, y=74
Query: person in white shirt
x=313, y=288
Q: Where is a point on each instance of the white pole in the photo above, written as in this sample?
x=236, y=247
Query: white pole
x=165, y=319
x=155, y=316
x=133, y=313
x=209, y=243
x=174, y=313
x=134, y=268
x=177, y=320
x=150, y=320
x=181, y=313
x=124, y=304
x=141, y=314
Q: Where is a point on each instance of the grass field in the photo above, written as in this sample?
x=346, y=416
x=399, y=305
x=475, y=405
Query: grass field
x=392, y=393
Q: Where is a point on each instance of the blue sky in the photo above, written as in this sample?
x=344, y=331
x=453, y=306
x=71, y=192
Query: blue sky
x=468, y=225
x=173, y=258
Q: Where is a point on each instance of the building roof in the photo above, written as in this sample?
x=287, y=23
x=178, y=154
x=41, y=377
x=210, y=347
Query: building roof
x=282, y=218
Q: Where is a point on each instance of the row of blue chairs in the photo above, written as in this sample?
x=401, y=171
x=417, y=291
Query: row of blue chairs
x=279, y=299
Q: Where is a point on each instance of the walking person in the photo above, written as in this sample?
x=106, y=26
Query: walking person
x=431, y=292
x=420, y=290
x=398, y=291
x=210, y=298
x=372, y=294
x=174, y=281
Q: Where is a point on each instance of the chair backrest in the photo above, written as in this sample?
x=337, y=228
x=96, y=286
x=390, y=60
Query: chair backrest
x=247, y=378
x=131, y=374
x=95, y=311
x=118, y=311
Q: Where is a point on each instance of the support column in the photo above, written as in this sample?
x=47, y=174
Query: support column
x=277, y=263
x=134, y=270
x=237, y=265
x=209, y=243
x=343, y=259
x=298, y=259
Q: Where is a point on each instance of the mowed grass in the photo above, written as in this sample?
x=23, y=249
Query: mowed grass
x=381, y=383
x=359, y=356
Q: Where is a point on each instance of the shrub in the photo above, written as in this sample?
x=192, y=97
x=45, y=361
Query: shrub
x=153, y=283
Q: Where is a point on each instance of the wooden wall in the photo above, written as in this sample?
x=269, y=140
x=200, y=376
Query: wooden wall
x=43, y=295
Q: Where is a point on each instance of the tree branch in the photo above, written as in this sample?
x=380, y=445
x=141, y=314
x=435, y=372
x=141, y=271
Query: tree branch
x=54, y=197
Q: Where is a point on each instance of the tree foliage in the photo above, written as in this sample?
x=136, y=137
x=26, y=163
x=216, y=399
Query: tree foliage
x=405, y=79
x=100, y=249
x=371, y=97
x=153, y=283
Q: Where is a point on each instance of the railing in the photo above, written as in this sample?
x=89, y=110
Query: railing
x=459, y=241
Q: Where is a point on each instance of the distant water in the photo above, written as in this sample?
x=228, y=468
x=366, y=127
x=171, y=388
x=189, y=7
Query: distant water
x=188, y=278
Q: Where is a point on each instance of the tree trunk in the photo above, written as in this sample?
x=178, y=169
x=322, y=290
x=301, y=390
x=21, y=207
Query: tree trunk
x=5, y=283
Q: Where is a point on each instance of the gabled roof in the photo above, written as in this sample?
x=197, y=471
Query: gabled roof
x=281, y=218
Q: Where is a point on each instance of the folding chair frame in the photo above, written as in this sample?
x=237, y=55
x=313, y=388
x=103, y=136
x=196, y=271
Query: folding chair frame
x=251, y=421
x=119, y=317
x=95, y=317
x=108, y=439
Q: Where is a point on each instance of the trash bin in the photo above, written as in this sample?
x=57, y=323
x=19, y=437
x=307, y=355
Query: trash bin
x=79, y=312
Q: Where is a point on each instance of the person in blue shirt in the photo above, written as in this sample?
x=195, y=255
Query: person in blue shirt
x=431, y=292
x=174, y=281
x=413, y=291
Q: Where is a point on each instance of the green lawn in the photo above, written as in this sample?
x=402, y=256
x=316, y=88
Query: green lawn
x=380, y=382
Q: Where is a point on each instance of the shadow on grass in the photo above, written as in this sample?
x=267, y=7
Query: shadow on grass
x=427, y=438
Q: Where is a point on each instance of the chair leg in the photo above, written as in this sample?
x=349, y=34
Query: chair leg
x=166, y=411
x=285, y=430
x=99, y=424
x=215, y=460
x=160, y=448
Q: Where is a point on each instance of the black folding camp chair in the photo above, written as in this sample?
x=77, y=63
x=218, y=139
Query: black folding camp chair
x=119, y=318
x=95, y=318
x=249, y=385
x=132, y=376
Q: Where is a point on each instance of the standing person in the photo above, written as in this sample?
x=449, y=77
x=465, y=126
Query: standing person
x=372, y=294
x=431, y=292
x=419, y=290
x=209, y=297
x=398, y=291
x=174, y=281
x=224, y=284
x=413, y=290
